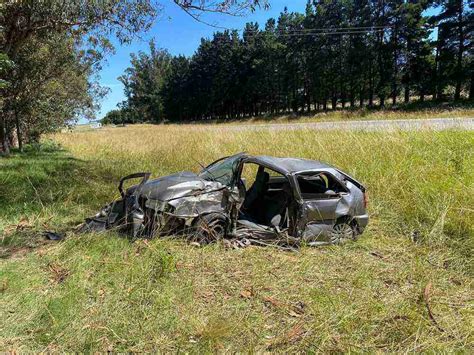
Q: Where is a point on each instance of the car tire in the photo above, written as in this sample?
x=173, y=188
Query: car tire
x=343, y=231
x=209, y=228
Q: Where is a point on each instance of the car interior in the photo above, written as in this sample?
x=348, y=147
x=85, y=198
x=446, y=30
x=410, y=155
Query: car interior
x=319, y=185
x=268, y=198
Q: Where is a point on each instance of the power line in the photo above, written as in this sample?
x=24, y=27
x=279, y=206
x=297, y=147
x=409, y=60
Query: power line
x=316, y=34
x=327, y=29
x=309, y=32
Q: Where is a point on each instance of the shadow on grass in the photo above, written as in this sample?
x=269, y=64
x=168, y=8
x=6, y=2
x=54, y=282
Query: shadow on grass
x=48, y=190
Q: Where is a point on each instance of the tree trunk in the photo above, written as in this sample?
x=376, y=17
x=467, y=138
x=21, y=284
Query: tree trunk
x=408, y=70
x=437, y=93
x=4, y=138
x=395, y=66
x=352, y=96
x=471, y=89
x=308, y=101
x=382, y=100
x=18, y=133
x=11, y=138
x=459, y=76
x=371, y=94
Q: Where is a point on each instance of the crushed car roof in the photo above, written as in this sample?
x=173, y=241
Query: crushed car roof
x=289, y=165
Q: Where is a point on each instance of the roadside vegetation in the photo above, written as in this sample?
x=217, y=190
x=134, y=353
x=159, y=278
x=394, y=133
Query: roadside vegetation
x=414, y=111
x=52, y=51
x=405, y=285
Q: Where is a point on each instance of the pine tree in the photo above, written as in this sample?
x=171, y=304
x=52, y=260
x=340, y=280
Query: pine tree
x=455, y=32
x=337, y=53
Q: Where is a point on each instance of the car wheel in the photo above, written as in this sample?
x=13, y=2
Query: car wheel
x=209, y=228
x=342, y=232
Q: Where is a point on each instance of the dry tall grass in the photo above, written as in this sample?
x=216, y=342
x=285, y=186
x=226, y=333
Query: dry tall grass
x=418, y=182
x=384, y=292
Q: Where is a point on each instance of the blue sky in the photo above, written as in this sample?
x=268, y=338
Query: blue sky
x=179, y=34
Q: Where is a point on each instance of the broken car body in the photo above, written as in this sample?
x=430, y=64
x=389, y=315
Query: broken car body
x=257, y=198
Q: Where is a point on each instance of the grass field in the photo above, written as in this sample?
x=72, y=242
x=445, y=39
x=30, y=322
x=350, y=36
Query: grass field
x=384, y=292
x=414, y=110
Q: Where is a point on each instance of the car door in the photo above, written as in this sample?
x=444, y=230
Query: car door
x=320, y=195
x=320, y=208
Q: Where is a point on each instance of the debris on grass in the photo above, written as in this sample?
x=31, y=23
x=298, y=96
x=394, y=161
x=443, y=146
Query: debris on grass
x=49, y=235
x=23, y=224
x=294, y=334
x=247, y=293
x=58, y=273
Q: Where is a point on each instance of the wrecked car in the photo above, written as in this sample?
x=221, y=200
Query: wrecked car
x=251, y=198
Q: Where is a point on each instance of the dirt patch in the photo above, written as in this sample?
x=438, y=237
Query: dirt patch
x=14, y=252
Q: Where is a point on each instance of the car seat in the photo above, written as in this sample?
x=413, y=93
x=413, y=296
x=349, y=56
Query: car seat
x=277, y=205
x=257, y=191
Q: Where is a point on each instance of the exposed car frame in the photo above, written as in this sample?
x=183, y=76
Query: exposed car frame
x=217, y=204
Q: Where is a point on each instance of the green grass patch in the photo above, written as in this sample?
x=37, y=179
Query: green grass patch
x=99, y=292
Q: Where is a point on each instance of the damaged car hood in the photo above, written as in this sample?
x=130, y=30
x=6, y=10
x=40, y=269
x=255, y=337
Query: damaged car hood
x=174, y=186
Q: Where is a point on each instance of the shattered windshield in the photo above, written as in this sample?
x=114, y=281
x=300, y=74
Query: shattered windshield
x=221, y=170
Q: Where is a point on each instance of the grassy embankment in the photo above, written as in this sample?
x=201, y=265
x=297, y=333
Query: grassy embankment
x=101, y=292
x=415, y=110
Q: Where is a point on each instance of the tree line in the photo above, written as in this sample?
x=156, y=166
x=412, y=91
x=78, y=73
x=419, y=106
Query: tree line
x=338, y=54
x=51, y=52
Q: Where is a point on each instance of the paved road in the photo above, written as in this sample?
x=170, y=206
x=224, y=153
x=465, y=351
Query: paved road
x=437, y=124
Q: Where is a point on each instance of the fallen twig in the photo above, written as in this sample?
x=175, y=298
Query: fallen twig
x=426, y=297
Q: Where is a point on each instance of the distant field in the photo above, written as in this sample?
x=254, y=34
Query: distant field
x=405, y=285
x=425, y=112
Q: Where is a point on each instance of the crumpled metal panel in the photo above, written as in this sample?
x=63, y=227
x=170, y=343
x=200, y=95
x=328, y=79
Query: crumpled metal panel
x=322, y=214
x=355, y=200
x=194, y=206
x=316, y=232
x=175, y=186
x=110, y=216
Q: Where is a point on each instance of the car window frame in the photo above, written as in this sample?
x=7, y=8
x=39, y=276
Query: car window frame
x=290, y=177
x=233, y=170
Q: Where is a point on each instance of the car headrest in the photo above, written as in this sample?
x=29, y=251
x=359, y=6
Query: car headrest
x=262, y=176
